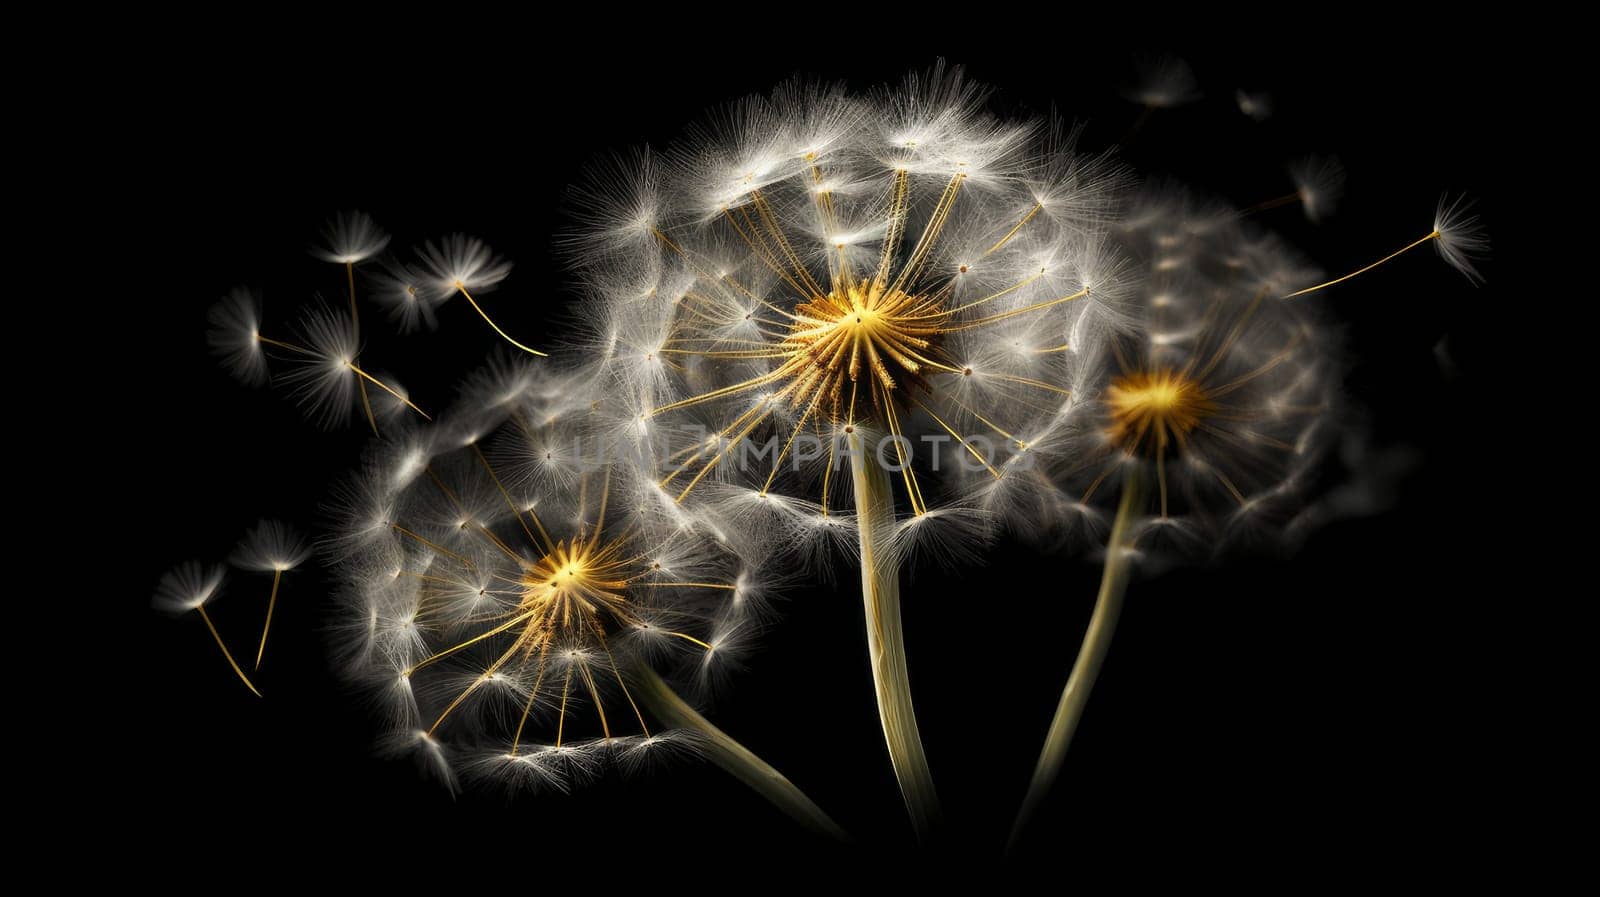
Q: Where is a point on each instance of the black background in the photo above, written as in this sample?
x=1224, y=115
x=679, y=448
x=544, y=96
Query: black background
x=1315, y=712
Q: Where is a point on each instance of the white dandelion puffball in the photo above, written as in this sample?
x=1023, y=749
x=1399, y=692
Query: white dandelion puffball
x=503, y=585
x=1223, y=399
x=816, y=267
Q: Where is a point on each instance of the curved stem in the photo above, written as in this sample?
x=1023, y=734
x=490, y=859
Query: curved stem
x=880, y=592
x=272, y=602
x=490, y=321
x=733, y=757
x=226, y=653
x=1091, y=656
x=1360, y=271
x=355, y=313
x=388, y=389
x=355, y=330
x=1269, y=205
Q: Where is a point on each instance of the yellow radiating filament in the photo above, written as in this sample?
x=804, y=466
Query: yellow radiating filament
x=1152, y=408
x=1013, y=232
x=1149, y=406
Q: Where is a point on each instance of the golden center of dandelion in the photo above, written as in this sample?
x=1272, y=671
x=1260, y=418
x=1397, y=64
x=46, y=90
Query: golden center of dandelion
x=1149, y=409
x=576, y=588
x=857, y=342
x=860, y=327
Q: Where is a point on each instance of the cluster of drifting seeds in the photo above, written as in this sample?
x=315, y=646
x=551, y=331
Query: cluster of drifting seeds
x=271, y=547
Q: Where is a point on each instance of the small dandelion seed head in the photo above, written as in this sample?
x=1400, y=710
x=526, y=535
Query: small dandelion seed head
x=1256, y=105
x=323, y=376
x=350, y=238
x=1163, y=82
x=1319, y=184
x=188, y=586
x=1461, y=238
x=234, y=335
x=459, y=262
x=271, y=546
x=406, y=292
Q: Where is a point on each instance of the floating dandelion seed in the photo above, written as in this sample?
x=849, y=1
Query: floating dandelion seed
x=234, y=335
x=1457, y=234
x=852, y=280
x=463, y=264
x=1161, y=82
x=1318, y=186
x=190, y=587
x=406, y=293
x=351, y=238
x=1164, y=82
x=1460, y=236
x=324, y=376
x=1256, y=105
x=272, y=547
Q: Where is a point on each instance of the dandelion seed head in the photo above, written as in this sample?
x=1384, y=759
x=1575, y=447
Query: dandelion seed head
x=322, y=377
x=350, y=238
x=459, y=262
x=408, y=294
x=234, y=335
x=1164, y=82
x=188, y=586
x=1254, y=104
x=1319, y=184
x=1462, y=239
x=271, y=546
